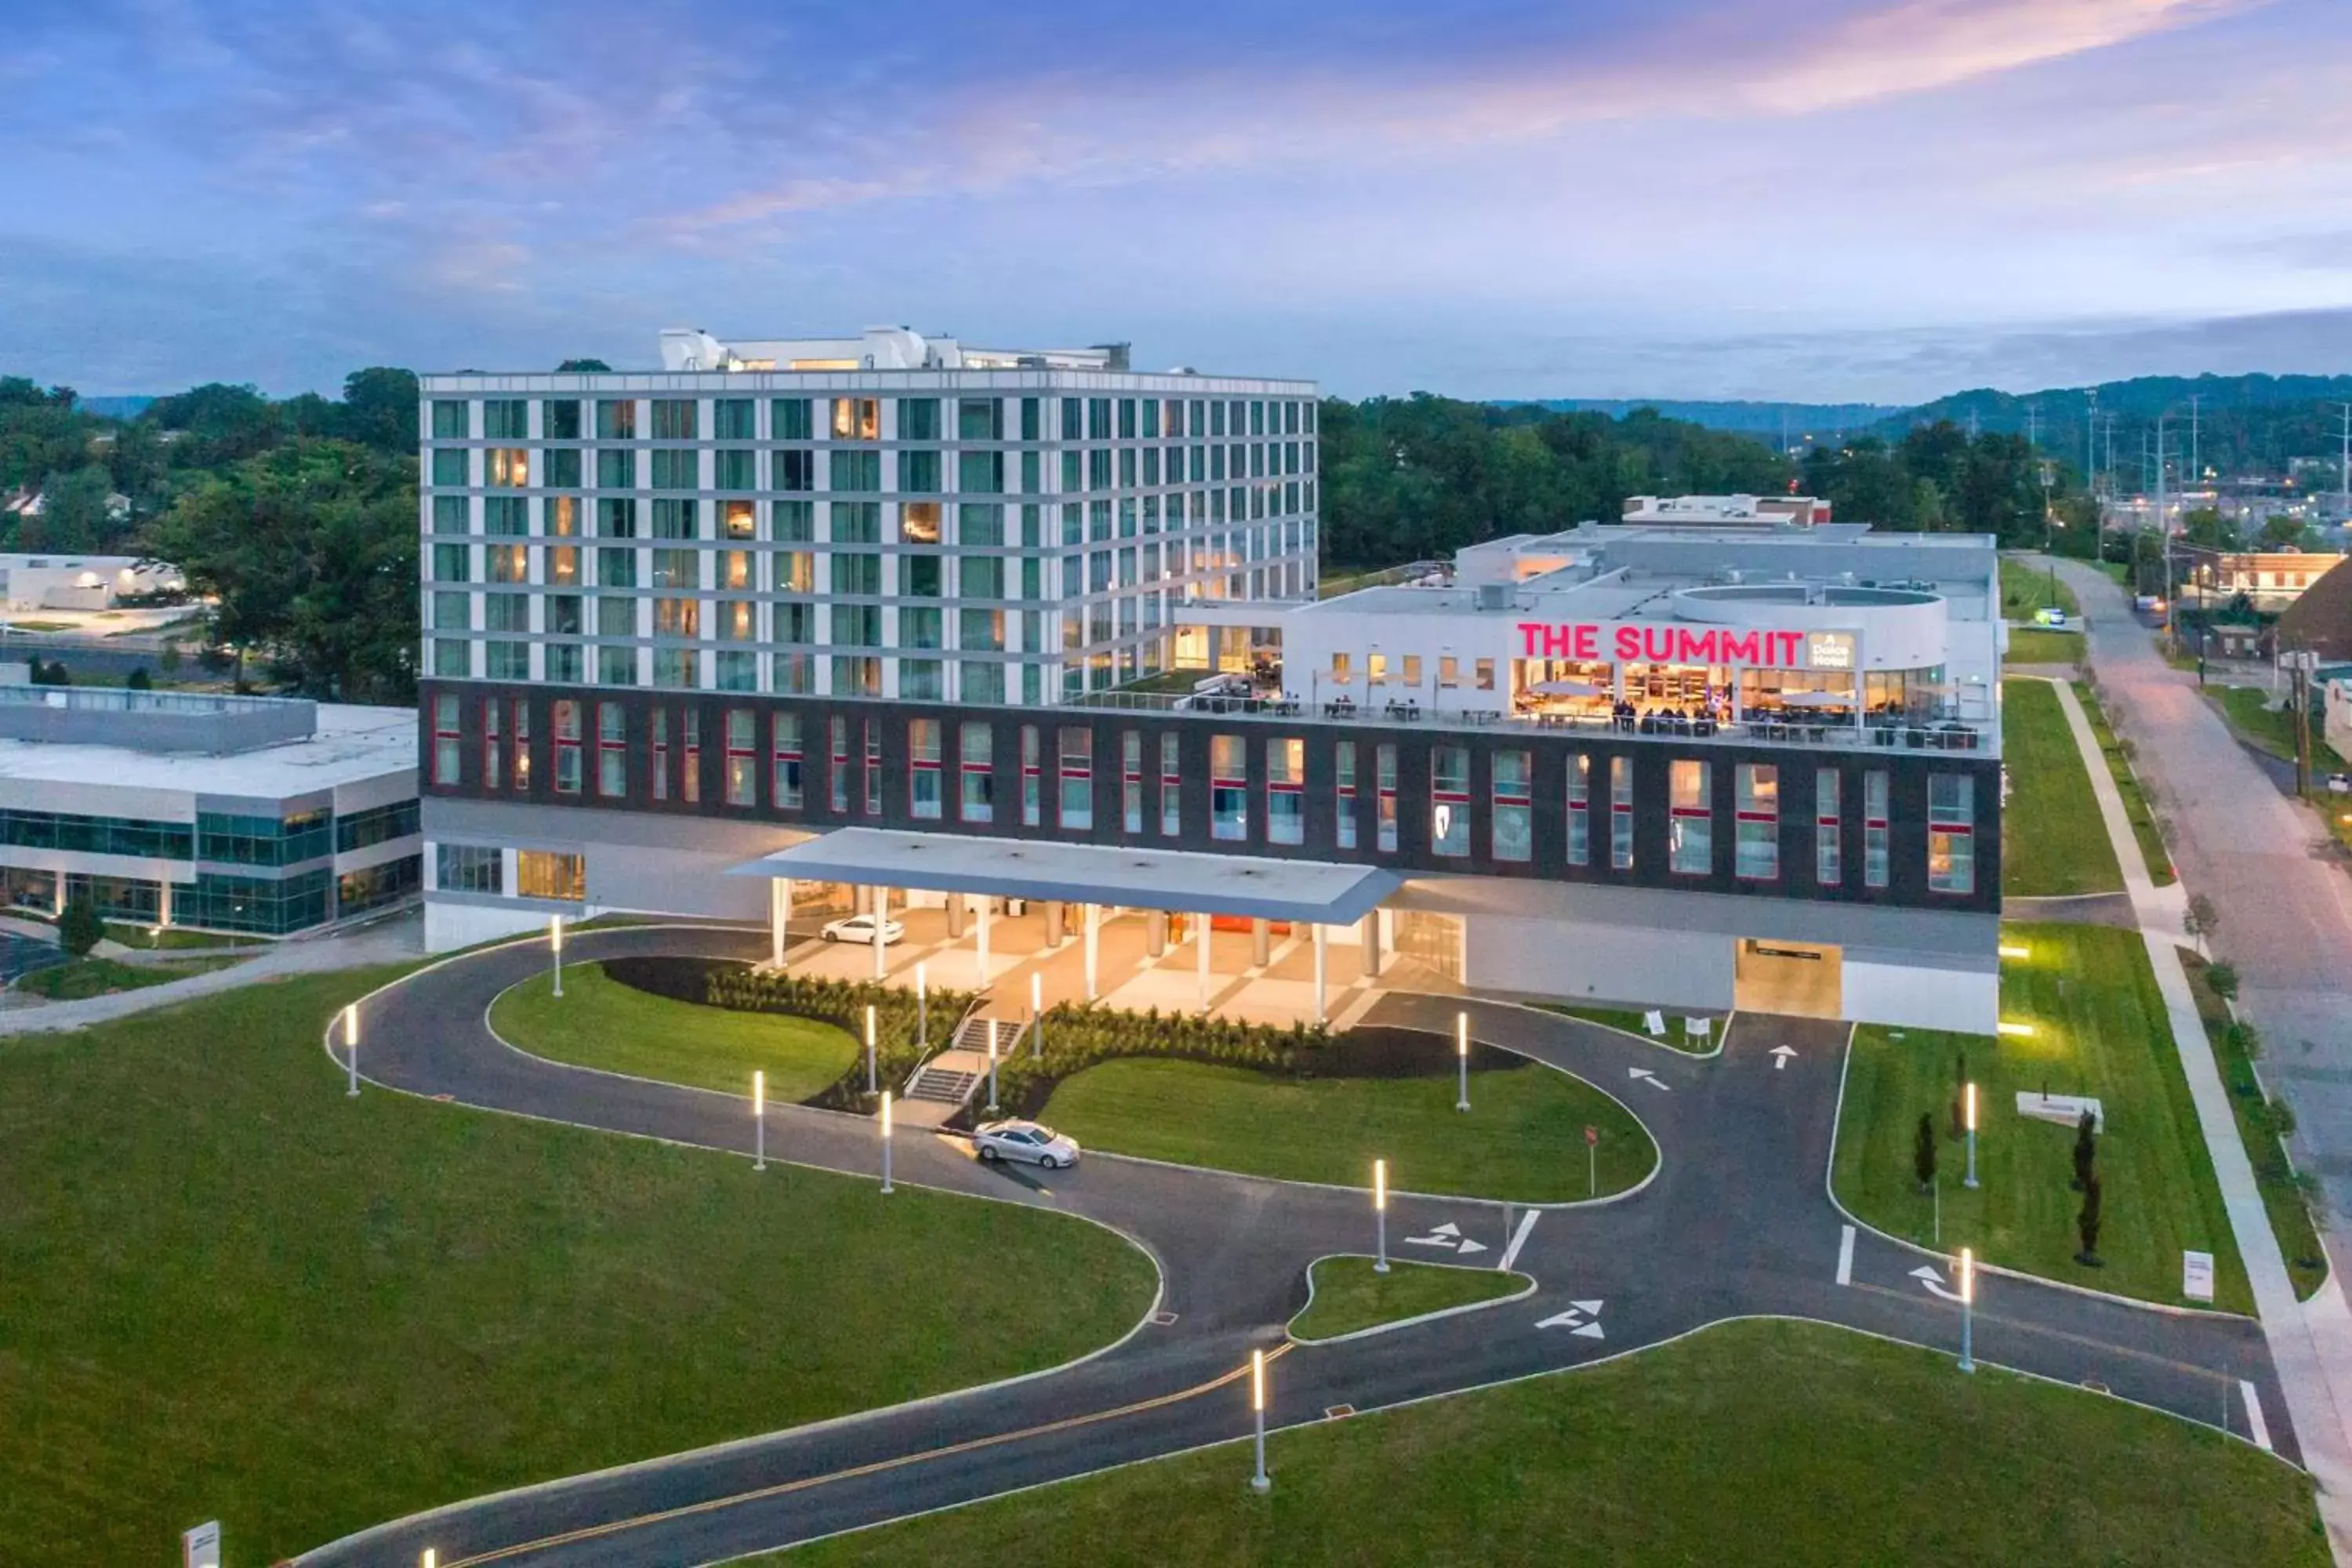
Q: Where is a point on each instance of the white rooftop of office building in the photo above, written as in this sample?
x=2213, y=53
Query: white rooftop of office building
x=876, y=348
x=351, y=744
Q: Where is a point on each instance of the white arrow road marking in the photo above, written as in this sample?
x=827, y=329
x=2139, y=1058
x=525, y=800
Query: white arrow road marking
x=2255, y=1425
x=1588, y=1331
x=1845, y=1256
x=1647, y=1075
x=1468, y=1247
x=1927, y=1275
x=1591, y=1307
x=1518, y=1238
x=1561, y=1319
x=1780, y=1055
x=1448, y=1228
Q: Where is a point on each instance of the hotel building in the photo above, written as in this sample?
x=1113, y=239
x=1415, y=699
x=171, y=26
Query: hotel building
x=789, y=622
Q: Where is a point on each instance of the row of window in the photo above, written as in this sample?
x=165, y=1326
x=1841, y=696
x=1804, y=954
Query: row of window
x=235, y=840
x=960, y=768
x=539, y=873
x=916, y=470
x=860, y=419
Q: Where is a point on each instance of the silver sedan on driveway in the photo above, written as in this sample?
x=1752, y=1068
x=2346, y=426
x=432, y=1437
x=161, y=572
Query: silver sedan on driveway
x=1031, y=1141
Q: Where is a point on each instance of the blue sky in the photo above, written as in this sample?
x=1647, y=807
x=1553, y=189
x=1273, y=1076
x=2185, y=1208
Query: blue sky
x=1830, y=199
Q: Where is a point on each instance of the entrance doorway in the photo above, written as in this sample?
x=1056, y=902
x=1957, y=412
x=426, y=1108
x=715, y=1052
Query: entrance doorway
x=1432, y=940
x=1801, y=979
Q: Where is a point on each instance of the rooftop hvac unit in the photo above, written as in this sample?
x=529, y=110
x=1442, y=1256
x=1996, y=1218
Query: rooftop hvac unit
x=1493, y=596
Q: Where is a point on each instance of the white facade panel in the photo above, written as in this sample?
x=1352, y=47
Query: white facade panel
x=1917, y=997
x=449, y=926
x=1581, y=962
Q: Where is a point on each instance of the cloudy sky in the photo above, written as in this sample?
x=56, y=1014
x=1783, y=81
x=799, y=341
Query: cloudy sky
x=1827, y=199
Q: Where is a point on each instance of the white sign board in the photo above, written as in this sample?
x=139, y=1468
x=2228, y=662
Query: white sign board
x=200, y=1547
x=2197, y=1276
x=1654, y=1021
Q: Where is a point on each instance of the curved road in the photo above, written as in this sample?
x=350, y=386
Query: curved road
x=1736, y=1222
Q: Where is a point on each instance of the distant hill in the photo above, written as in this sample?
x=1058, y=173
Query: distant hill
x=1762, y=419
x=127, y=406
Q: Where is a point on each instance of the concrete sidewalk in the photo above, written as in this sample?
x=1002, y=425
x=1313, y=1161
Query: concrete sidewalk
x=2309, y=1377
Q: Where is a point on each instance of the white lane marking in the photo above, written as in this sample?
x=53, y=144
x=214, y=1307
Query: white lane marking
x=1588, y=1331
x=1780, y=1055
x=1518, y=1238
x=1845, y=1256
x=1927, y=1275
x=1560, y=1320
x=1647, y=1075
x=2260, y=1428
x=1465, y=1246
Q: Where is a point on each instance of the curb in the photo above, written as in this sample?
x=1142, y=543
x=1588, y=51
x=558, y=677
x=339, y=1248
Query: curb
x=1365, y=1333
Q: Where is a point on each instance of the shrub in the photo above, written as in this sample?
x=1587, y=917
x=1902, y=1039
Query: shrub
x=79, y=929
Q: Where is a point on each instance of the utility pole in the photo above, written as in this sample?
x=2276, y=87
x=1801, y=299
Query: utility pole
x=2195, y=464
x=2091, y=446
x=2164, y=537
x=2344, y=465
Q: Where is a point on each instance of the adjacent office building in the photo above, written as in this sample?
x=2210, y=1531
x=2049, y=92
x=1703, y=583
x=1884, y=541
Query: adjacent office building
x=788, y=620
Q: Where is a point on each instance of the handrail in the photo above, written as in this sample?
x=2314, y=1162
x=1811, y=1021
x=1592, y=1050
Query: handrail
x=974, y=1006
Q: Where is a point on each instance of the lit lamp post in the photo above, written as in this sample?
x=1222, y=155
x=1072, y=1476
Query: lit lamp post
x=1381, y=1214
x=555, y=948
x=351, y=1046
x=430, y=1559
x=759, y=1120
x=992, y=1070
x=870, y=1047
x=1462, y=1058
x=886, y=1142
x=1260, y=1482
x=1968, y=1311
x=1969, y=1100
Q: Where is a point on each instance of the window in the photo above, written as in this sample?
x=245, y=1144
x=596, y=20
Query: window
x=449, y=466
x=793, y=469
x=468, y=868
x=1130, y=782
x=857, y=419
x=1579, y=803
x=838, y=754
x=449, y=419
x=1228, y=788
x=1514, y=801
x=560, y=468
x=521, y=744
x=1621, y=812
x=445, y=740
x=976, y=794
x=1077, y=778
x=1486, y=667
x=1342, y=674
x=980, y=419
x=673, y=419
x=733, y=470
x=789, y=417
x=1690, y=828
x=919, y=472
x=853, y=470
x=1951, y=833
x=1171, y=785
x=1873, y=828
x=1756, y=815
x=616, y=420
x=689, y=778
x=924, y=785
x=742, y=758
x=659, y=777
x=545, y=874
x=567, y=748
x=918, y=419
x=493, y=756
x=1344, y=807
x=784, y=787
x=1031, y=786
x=873, y=768
x=1449, y=800
x=675, y=519
x=1384, y=784
x=1828, y=855
x=1285, y=791
x=611, y=751
x=616, y=519
x=918, y=522
x=506, y=468
x=979, y=473
x=731, y=418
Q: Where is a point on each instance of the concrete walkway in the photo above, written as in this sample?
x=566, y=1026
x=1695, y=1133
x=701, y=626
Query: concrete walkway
x=385, y=942
x=2315, y=1402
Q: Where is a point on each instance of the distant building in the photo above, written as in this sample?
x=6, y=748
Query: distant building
x=252, y=814
x=30, y=502
x=82, y=581
x=2320, y=619
x=1726, y=511
x=2271, y=579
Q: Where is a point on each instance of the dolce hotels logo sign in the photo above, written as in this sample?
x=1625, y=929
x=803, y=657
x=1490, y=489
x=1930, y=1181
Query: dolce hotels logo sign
x=1628, y=642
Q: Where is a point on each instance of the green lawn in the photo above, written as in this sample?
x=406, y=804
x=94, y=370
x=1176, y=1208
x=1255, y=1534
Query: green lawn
x=1771, y=1445
x=2260, y=1130
x=175, y=937
x=228, y=1292
x=1631, y=1021
x=2053, y=841
x=600, y=1023
x=2024, y=590
x=2272, y=731
x=2098, y=1028
x=2152, y=851
x=1350, y=1295
x=1523, y=1140
x=85, y=977
x=2028, y=645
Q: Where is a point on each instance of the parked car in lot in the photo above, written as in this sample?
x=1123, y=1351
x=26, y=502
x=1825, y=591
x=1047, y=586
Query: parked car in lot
x=1033, y=1142
x=861, y=928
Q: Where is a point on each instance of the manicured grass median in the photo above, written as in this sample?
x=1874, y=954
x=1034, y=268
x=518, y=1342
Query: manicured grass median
x=228, y=1292
x=2053, y=841
x=85, y=977
x=2099, y=1029
x=1632, y=1021
x=2272, y=730
x=2024, y=590
x=600, y=1023
x=2152, y=851
x=1349, y=1294
x=2028, y=645
x=1769, y=1444
x=1523, y=1139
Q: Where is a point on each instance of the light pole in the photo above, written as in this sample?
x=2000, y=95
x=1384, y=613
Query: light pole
x=1462, y=1060
x=870, y=1047
x=922, y=1013
x=555, y=948
x=1968, y=1311
x=429, y=1559
x=759, y=1120
x=352, y=1048
x=1969, y=1099
x=1381, y=1214
x=886, y=1142
x=992, y=1070
x=1260, y=1482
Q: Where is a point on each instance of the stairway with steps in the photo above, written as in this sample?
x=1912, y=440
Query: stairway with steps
x=950, y=1078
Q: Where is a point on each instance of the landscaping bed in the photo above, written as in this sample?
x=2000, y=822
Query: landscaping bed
x=2028, y=645
x=2024, y=590
x=1348, y=1295
x=2098, y=1028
